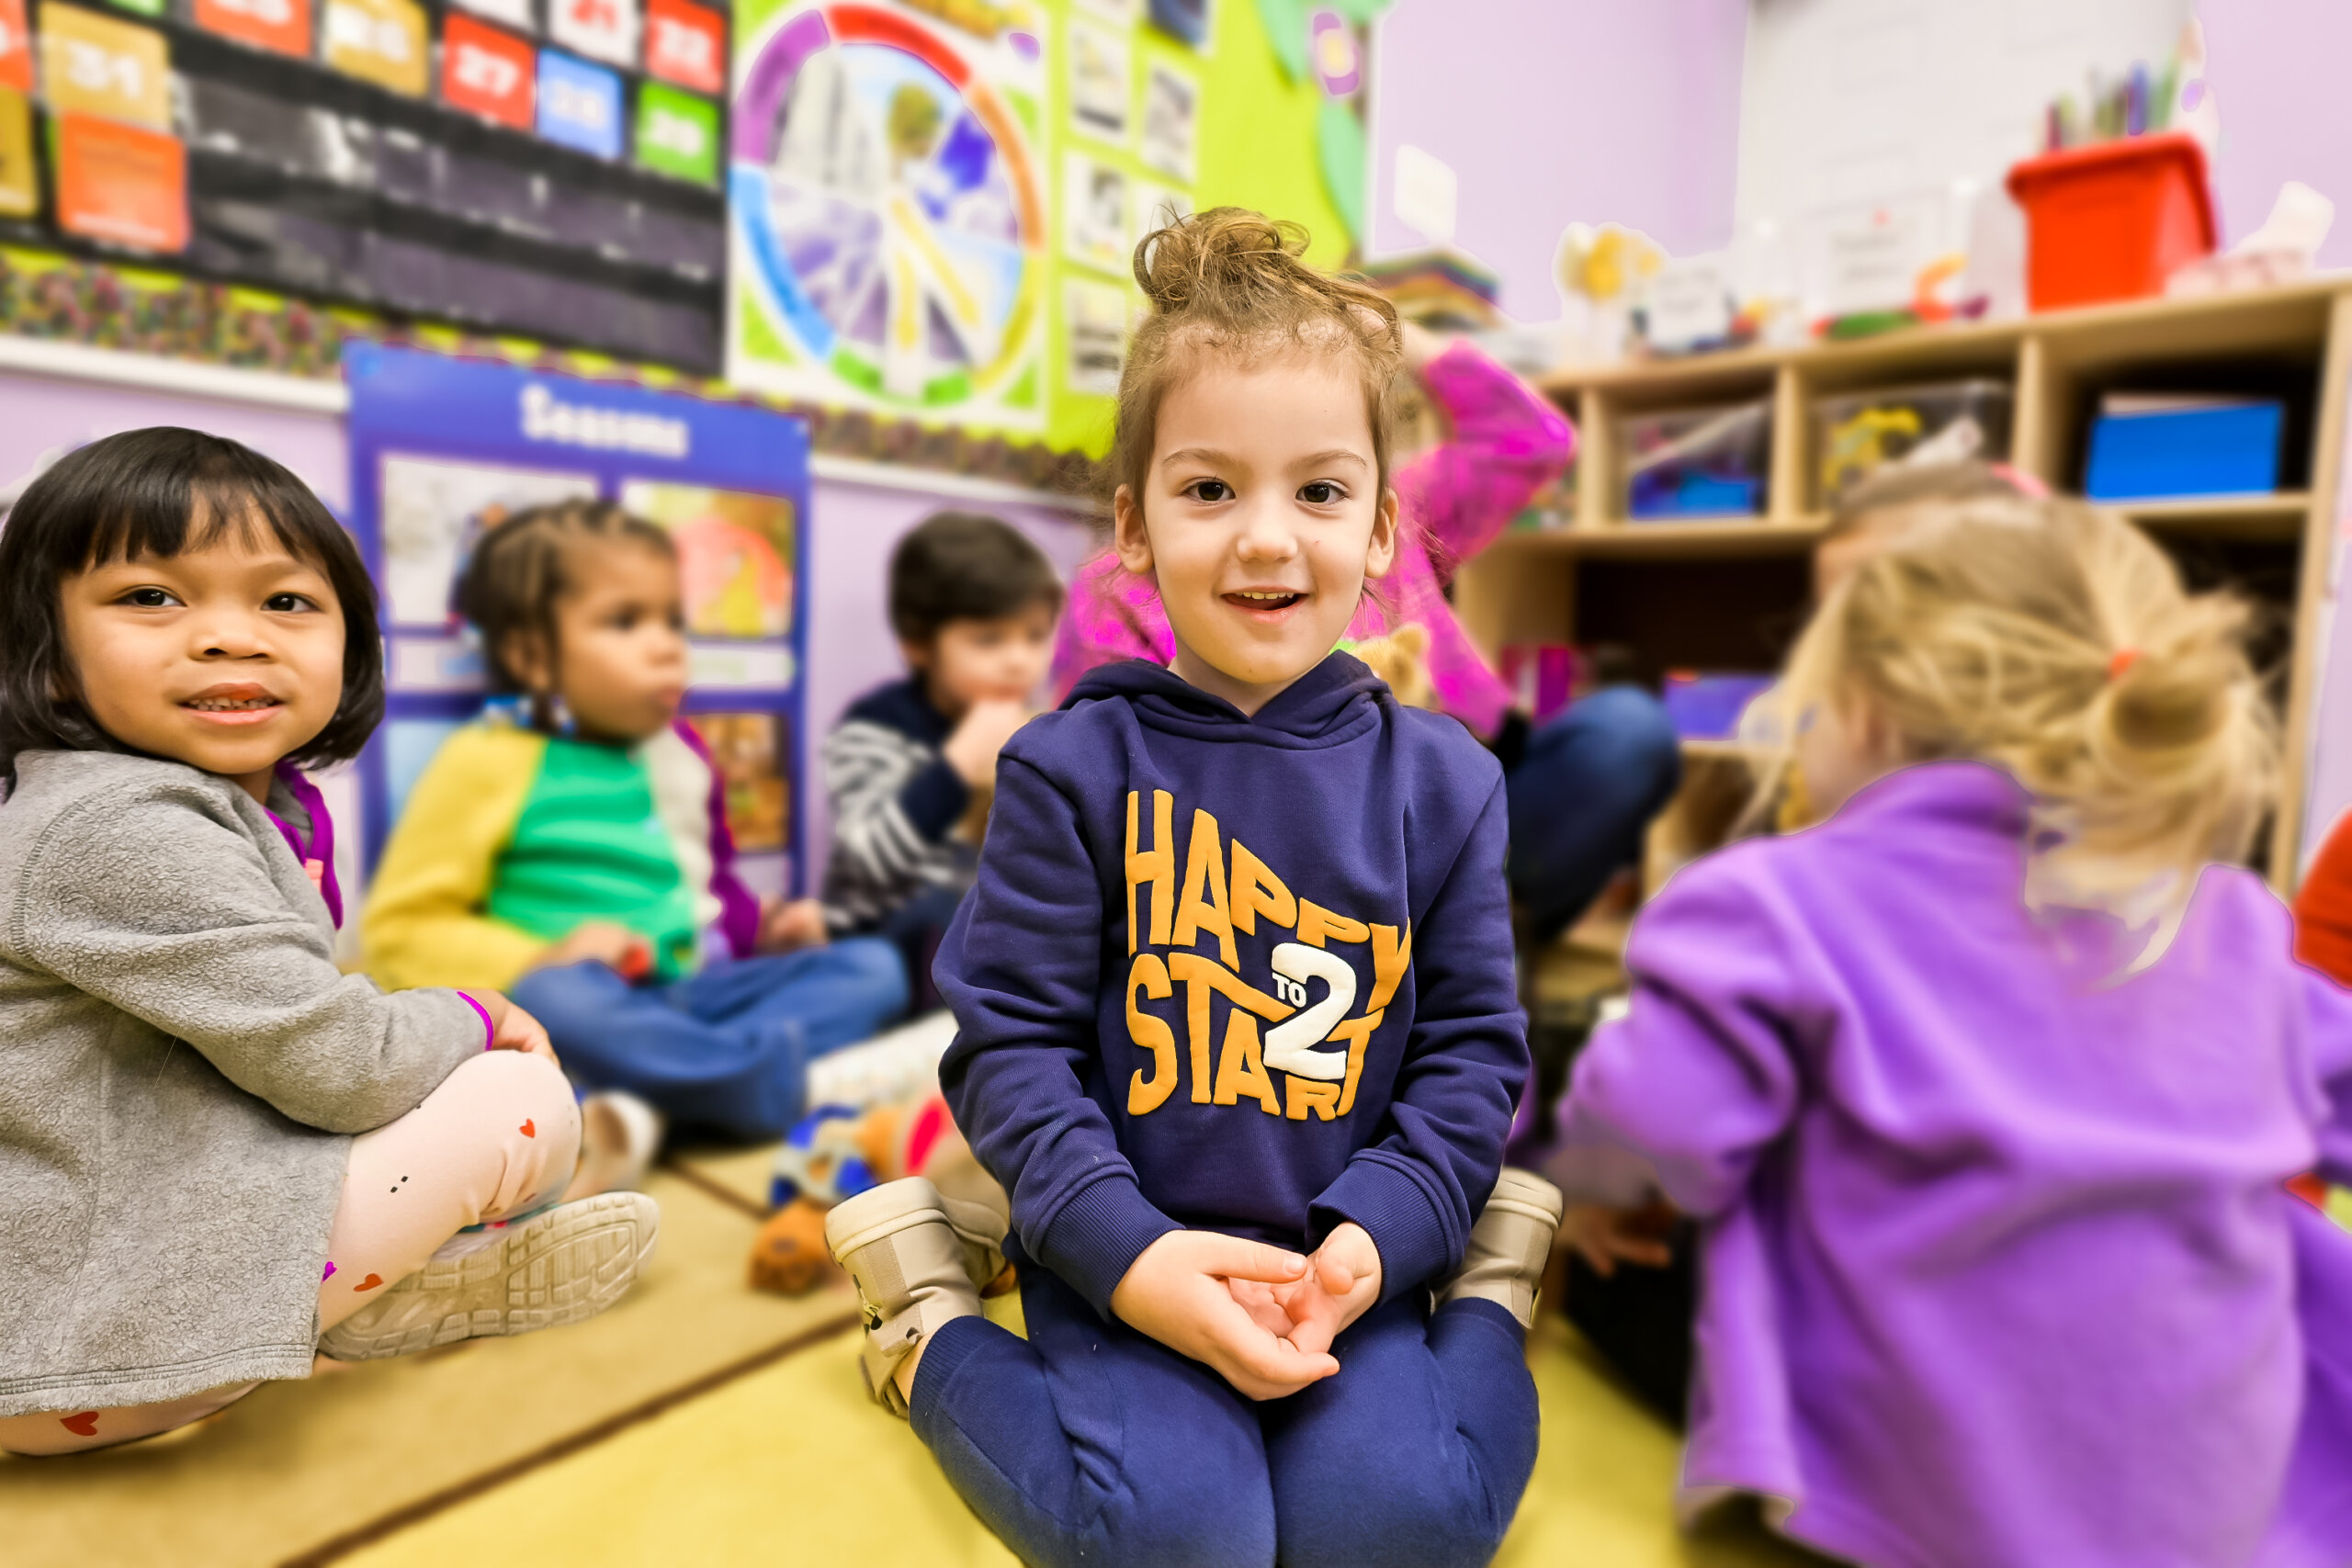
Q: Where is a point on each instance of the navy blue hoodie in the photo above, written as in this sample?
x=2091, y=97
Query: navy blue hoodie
x=1251, y=975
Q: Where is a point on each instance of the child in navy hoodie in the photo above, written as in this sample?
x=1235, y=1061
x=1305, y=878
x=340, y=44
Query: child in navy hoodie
x=1237, y=1024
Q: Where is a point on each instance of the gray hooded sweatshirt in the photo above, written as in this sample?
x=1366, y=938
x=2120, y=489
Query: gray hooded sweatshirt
x=181, y=1068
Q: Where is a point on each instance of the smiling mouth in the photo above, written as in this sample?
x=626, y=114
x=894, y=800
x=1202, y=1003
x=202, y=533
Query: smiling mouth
x=1265, y=598
x=229, y=705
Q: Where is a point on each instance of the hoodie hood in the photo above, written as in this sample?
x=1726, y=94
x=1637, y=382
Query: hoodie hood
x=1332, y=704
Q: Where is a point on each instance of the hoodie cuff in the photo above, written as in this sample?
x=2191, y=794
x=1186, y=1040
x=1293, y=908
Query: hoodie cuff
x=1397, y=1212
x=1098, y=1234
x=934, y=799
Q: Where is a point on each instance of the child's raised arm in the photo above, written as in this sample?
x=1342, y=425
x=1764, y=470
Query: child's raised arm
x=1697, y=1075
x=153, y=902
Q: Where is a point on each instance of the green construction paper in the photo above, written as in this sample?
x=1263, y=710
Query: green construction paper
x=1364, y=13
x=1340, y=146
x=1285, y=24
x=677, y=133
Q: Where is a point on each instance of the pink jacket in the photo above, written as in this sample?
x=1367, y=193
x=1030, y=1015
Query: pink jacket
x=1509, y=443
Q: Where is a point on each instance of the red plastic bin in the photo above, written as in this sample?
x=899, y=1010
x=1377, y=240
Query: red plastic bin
x=2112, y=222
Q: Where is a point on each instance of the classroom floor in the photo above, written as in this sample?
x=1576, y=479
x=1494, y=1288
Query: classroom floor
x=698, y=1422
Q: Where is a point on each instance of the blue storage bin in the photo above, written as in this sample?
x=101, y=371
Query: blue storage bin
x=2215, y=451
x=1697, y=462
x=1707, y=707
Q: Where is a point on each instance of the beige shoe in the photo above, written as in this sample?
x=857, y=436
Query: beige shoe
x=977, y=1209
x=561, y=1266
x=912, y=1274
x=1509, y=1247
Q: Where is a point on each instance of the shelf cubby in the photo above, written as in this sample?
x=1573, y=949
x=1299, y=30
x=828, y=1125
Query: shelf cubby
x=1732, y=593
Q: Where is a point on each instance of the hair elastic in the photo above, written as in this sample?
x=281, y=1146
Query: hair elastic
x=2121, y=663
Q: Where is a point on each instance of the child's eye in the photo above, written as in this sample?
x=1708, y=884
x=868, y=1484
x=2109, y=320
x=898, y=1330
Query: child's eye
x=1321, y=492
x=288, y=604
x=1209, y=491
x=148, y=598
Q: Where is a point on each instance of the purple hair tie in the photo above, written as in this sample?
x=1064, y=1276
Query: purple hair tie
x=489, y=1029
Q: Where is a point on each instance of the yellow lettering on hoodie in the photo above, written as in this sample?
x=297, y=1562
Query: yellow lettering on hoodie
x=1357, y=1032
x=1258, y=891
x=1241, y=1069
x=1156, y=867
x=1205, y=874
x=1200, y=976
x=1390, y=959
x=1148, y=974
x=1315, y=923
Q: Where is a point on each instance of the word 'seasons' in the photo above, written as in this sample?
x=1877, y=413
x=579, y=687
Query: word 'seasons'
x=1217, y=903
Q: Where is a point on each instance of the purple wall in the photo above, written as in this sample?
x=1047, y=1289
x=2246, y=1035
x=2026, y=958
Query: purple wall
x=1559, y=111
x=2278, y=71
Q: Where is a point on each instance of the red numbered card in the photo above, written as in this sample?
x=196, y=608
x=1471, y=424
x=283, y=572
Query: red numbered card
x=601, y=29
x=16, y=47
x=281, y=25
x=487, y=72
x=687, y=44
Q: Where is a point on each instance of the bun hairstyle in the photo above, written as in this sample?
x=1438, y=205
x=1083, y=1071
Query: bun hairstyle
x=1234, y=283
x=2054, y=640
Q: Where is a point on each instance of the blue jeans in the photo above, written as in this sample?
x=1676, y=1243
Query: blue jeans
x=725, y=1050
x=1090, y=1442
x=1580, y=799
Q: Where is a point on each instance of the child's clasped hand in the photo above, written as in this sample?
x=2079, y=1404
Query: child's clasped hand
x=1263, y=1317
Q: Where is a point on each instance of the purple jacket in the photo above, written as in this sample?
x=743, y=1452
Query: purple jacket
x=1997, y=1268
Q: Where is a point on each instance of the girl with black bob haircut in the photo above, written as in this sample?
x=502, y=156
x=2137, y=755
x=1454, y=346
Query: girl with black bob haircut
x=219, y=1154
x=157, y=493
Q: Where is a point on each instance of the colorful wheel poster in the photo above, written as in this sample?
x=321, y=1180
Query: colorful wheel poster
x=888, y=197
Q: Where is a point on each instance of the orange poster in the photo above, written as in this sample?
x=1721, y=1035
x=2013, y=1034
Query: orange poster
x=382, y=41
x=94, y=64
x=19, y=186
x=16, y=47
x=281, y=25
x=121, y=184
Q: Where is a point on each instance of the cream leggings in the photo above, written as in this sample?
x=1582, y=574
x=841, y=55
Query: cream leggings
x=499, y=1136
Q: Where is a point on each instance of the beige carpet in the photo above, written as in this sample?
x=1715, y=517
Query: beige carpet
x=297, y=1466
x=792, y=1465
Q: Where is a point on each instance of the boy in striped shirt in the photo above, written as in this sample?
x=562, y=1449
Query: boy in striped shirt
x=910, y=766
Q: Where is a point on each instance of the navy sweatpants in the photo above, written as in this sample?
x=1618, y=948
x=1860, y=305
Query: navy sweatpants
x=726, y=1051
x=1090, y=1442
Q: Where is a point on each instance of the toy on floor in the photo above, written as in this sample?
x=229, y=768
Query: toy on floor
x=837, y=1151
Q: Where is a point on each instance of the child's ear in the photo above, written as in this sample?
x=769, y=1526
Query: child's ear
x=1381, y=552
x=1128, y=540
x=525, y=654
x=917, y=655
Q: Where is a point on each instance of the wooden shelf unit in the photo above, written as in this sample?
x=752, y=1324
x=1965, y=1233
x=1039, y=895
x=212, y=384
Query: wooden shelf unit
x=1731, y=593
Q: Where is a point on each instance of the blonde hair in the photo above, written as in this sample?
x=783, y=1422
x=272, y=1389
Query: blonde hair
x=2056, y=642
x=1235, y=283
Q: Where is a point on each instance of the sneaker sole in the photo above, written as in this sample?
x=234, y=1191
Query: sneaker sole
x=563, y=1266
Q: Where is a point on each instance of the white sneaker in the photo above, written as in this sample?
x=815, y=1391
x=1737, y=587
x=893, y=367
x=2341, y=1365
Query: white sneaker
x=620, y=1136
x=561, y=1266
x=898, y=1064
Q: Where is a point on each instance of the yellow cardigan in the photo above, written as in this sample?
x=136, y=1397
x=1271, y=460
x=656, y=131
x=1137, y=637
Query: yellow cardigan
x=423, y=924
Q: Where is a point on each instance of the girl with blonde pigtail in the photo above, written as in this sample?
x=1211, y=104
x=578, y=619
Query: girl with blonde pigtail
x=1985, y=1089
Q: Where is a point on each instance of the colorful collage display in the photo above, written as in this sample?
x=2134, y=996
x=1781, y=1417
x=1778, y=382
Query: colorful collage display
x=921, y=191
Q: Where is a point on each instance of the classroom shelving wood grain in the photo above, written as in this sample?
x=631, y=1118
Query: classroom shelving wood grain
x=1730, y=593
